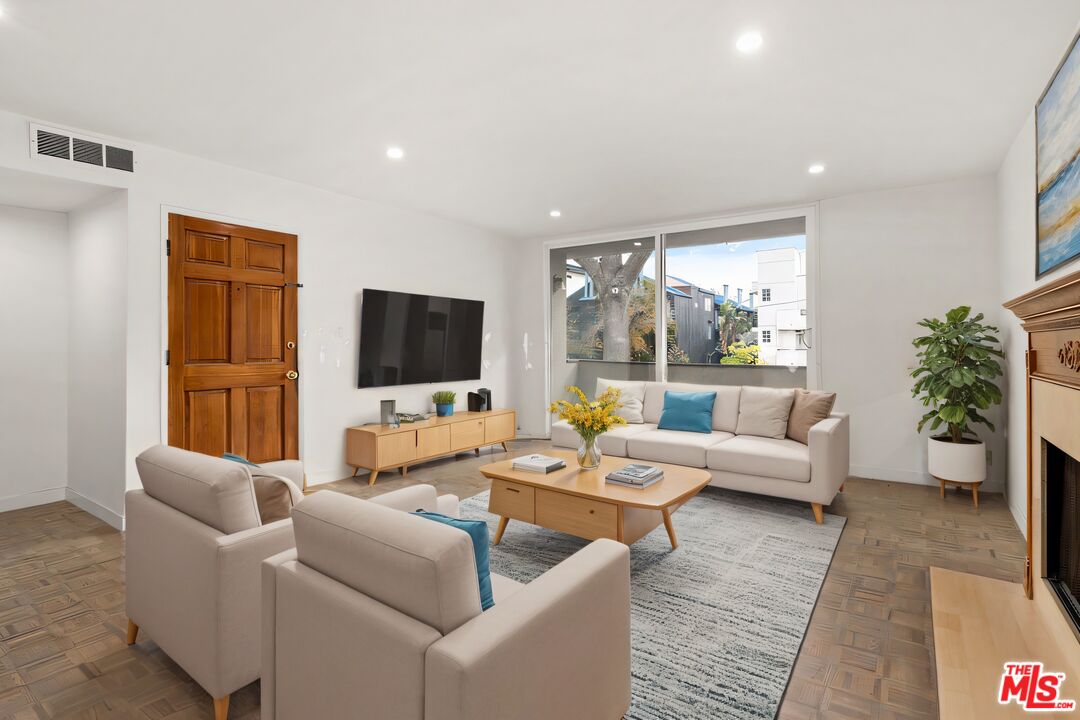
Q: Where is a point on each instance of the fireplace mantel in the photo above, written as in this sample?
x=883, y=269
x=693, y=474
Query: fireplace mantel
x=1051, y=316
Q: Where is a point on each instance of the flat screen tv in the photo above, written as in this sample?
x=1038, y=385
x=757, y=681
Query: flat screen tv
x=407, y=339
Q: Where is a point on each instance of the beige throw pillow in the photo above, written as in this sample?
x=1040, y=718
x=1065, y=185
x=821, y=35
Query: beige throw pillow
x=631, y=397
x=273, y=498
x=810, y=408
x=764, y=411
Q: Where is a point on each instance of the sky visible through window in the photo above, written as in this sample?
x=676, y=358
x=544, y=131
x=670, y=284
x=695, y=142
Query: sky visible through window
x=712, y=266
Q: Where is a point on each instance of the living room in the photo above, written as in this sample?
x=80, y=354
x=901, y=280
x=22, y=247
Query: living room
x=366, y=250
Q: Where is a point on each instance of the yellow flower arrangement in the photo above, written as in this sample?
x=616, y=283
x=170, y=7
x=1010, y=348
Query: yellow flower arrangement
x=590, y=419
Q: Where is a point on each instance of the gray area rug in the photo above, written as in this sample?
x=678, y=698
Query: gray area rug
x=716, y=624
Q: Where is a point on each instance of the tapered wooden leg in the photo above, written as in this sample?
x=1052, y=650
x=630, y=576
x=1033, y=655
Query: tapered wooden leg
x=371, y=478
x=404, y=470
x=502, y=528
x=505, y=449
x=133, y=632
x=670, y=528
x=221, y=708
x=477, y=451
x=819, y=514
x=975, y=494
x=841, y=487
x=355, y=470
x=942, y=488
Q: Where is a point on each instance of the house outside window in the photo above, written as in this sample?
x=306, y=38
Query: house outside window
x=766, y=337
x=766, y=295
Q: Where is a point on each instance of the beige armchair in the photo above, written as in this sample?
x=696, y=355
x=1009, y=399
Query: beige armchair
x=193, y=545
x=376, y=613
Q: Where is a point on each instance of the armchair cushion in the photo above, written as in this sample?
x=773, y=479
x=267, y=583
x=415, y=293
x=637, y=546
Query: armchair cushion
x=478, y=533
x=216, y=492
x=423, y=569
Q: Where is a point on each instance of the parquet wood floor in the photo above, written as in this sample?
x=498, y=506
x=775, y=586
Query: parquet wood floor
x=868, y=652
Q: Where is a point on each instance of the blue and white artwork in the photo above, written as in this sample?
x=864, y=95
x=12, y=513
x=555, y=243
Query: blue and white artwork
x=1057, y=119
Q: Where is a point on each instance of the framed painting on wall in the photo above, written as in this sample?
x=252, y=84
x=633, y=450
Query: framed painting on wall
x=1057, y=144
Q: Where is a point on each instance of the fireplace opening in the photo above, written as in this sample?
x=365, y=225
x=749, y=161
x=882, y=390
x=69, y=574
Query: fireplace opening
x=1062, y=523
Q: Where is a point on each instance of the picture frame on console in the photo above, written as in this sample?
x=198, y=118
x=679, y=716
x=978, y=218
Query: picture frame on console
x=1057, y=163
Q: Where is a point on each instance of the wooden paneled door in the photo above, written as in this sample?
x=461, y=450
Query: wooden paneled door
x=232, y=340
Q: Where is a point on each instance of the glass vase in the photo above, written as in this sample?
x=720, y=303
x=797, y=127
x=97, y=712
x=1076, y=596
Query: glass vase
x=588, y=453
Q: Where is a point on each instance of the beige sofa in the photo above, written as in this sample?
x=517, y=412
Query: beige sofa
x=376, y=613
x=779, y=467
x=194, y=542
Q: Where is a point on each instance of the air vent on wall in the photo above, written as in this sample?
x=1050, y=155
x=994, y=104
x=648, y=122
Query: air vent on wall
x=65, y=145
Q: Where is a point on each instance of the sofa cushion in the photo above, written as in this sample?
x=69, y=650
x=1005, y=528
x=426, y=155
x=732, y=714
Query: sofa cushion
x=631, y=398
x=810, y=408
x=613, y=442
x=423, y=569
x=687, y=411
x=764, y=411
x=674, y=446
x=216, y=492
x=725, y=414
x=765, y=457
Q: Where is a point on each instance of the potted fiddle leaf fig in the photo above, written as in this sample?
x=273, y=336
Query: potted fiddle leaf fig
x=955, y=379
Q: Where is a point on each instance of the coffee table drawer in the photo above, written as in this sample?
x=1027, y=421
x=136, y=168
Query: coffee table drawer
x=577, y=516
x=511, y=500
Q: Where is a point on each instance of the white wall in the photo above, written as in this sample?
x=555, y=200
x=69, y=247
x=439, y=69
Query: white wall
x=97, y=273
x=33, y=357
x=1016, y=238
x=346, y=244
x=887, y=260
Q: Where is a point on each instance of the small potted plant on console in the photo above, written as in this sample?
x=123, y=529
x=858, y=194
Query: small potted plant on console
x=444, y=402
x=957, y=365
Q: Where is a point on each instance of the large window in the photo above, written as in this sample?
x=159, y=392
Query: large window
x=691, y=306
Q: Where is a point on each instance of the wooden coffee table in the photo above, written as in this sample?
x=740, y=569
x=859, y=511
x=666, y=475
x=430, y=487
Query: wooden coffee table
x=578, y=502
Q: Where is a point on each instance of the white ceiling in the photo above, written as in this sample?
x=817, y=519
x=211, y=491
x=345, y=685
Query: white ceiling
x=617, y=112
x=45, y=192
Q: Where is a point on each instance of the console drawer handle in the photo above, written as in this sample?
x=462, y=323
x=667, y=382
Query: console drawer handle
x=512, y=490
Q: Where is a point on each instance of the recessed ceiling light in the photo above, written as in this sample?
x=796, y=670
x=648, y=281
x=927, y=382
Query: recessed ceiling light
x=394, y=152
x=555, y=213
x=749, y=42
x=816, y=169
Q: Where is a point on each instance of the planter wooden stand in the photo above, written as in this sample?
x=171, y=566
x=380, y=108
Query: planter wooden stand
x=973, y=486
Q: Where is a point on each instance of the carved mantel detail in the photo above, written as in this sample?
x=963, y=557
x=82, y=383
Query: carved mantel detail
x=1069, y=355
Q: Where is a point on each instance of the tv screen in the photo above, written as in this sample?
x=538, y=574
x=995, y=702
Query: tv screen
x=407, y=339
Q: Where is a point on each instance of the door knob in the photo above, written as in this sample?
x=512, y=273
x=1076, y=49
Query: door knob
x=290, y=345
x=292, y=374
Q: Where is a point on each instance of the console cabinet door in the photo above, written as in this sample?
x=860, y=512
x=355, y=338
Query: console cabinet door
x=498, y=428
x=467, y=434
x=432, y=441
x=396, y=449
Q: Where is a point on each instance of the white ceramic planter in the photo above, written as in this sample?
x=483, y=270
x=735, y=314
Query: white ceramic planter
x=963, y=462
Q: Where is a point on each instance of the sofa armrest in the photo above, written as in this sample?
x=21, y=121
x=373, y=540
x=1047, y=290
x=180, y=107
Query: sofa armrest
x=448, y=505
x=239, y=561
x=407, y=499
x=829, y=443
x=291, y=469
x=267, y=683
x=557, y=648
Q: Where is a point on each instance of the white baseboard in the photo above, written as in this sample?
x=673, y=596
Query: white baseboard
x=32, y=499
x=99, y=511
x=1020, y=516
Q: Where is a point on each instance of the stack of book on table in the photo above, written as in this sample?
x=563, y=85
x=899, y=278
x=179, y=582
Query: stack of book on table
x=636, y=475
x=538, y=463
